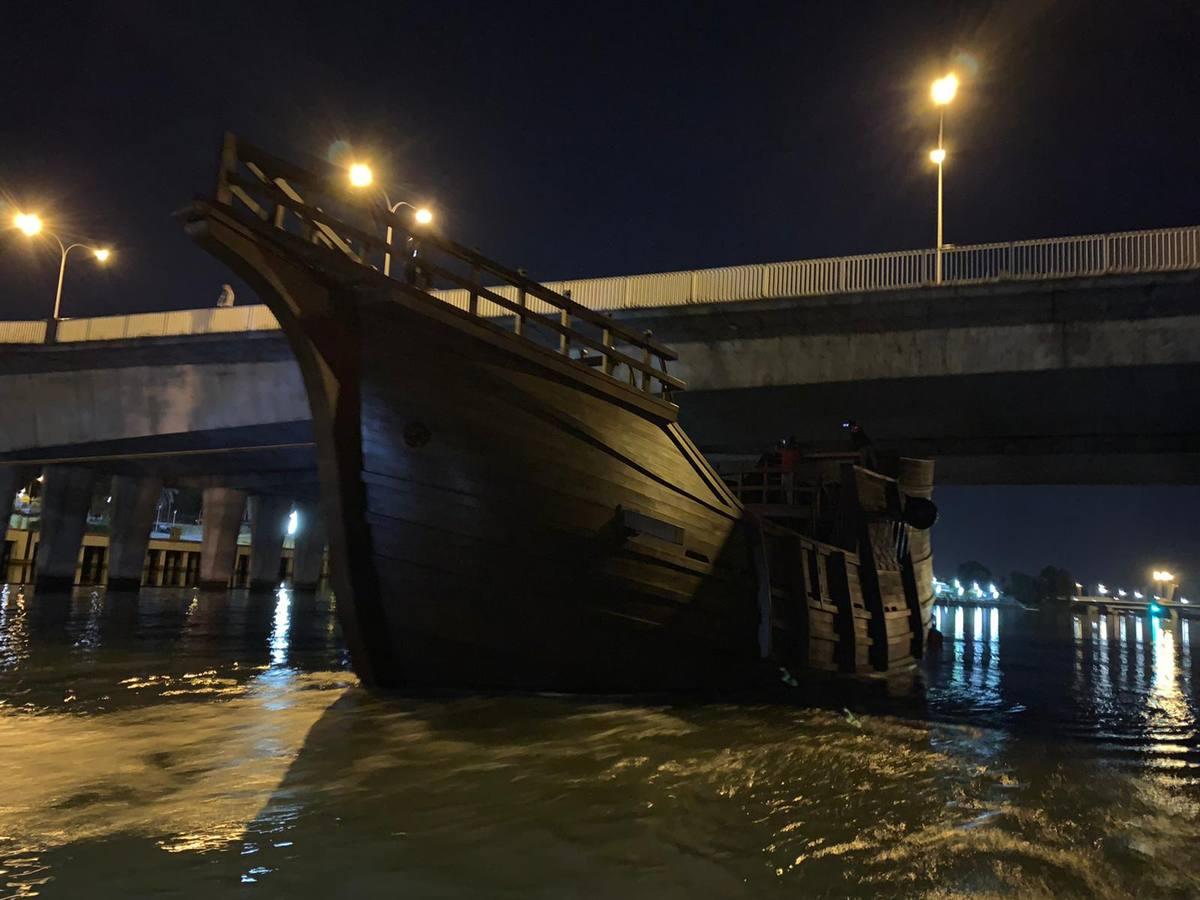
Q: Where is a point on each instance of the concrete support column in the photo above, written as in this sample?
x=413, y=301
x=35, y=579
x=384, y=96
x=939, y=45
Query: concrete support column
x=223, y=509
x=268, y=527
x=134, y=502
x=309, y=552
x=66, y=499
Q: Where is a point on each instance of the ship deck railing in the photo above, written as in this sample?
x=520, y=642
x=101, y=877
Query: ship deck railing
x=801, y=492
x=316, y=203
x=771, y=485
x=780, y=485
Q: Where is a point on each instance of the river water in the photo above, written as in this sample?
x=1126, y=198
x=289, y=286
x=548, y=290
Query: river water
x=181, y=746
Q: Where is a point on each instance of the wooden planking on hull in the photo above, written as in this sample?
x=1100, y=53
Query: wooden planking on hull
x=416, y=370
x=915, y=478
x=421, y=540
x=819, y=619
x=873, y=520
x=604, y=637
x=466, y=604
x=512, y=508
x=479, y=491
x=557, y=562
x=522, y=523
x=857, y=620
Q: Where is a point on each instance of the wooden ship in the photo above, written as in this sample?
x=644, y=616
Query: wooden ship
x=510, y=499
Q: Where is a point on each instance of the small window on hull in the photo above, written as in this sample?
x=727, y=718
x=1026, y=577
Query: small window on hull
x=639, y=523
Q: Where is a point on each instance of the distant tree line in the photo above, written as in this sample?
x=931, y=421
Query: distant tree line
x=1050, y=585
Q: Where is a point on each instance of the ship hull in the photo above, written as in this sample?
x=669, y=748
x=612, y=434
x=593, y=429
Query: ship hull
x=502, y=515
x=528, y=530
x=499, y=516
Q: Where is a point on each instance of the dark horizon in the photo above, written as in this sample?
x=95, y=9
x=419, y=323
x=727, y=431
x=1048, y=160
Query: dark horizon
x=620, y=138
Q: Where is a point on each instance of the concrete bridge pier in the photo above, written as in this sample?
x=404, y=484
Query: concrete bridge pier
x=268, y=527
x=1114, y=626
x=223, y=509
x=134, y=501
x=66, y=499
x=309, y=551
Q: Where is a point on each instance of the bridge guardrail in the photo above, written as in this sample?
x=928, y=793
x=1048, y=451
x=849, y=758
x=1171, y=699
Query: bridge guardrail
x=1127, y=252
x=27, y=332
x=256, y=317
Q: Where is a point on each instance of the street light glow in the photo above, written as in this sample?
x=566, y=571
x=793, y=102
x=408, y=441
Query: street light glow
x=29, y=223
x=1163, y=575
x=360, y=175
x=944, y=89
x=938, y=156
x=423, y=216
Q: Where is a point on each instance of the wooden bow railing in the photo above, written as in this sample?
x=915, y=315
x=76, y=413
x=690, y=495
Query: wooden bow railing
x=316, y=203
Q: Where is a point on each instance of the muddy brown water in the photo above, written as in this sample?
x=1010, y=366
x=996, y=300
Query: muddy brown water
x=181, y=745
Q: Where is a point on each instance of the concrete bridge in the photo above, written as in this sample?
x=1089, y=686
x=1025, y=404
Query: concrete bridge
x=1073, y=360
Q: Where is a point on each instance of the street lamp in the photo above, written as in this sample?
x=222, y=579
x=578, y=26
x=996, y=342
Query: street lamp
x=942, y=92
x=944, y=89
x=31, y=225
x=1166, y=582
x=361, y=176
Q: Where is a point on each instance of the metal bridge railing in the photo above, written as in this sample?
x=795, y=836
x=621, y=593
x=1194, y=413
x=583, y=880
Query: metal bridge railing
x=1127, y=252
x=30, y=331
x=1161, y=250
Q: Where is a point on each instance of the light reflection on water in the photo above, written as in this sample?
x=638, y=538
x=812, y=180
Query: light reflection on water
x=199, y=745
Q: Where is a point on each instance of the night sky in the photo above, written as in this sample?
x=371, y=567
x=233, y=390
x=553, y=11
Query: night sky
x=608, y=138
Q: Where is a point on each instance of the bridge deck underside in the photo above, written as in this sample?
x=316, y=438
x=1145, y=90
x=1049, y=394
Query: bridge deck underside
x=276, y=458
x=1104, y=426
x=1072, y=382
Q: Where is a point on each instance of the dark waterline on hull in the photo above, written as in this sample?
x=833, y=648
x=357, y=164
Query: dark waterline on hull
x=204, y=745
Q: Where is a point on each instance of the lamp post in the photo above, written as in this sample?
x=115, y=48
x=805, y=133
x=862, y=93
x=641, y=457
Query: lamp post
x=31, y=225
x=942, y=91
x=360, y=177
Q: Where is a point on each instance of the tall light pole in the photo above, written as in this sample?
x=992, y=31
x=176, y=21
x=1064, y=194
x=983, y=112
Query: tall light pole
x=360, y=177
x=942, y=91
x=31, y=225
